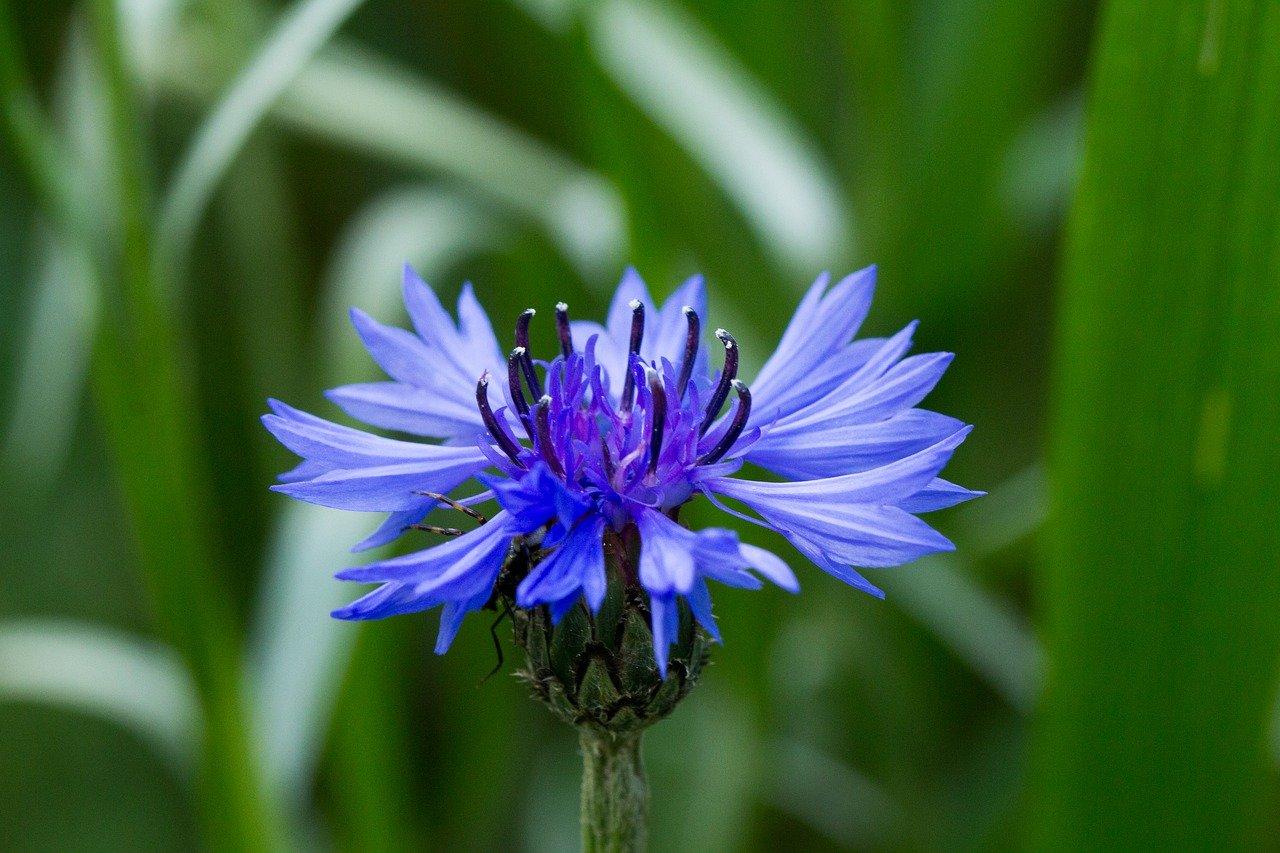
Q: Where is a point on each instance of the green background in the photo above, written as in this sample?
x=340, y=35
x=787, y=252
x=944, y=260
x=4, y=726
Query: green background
x=1078, y=199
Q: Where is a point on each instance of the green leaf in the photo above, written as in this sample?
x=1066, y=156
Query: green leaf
x=1162, y=576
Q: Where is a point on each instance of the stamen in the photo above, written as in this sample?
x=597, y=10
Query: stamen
x=727, y=375
x=522, y=327
x=491, y=423
x=637, y=335
x=659, y=417
x=543, y=419
x=739, y=423
x=563, y=330
x=517, y=391
x=526, y=360
x=690, y=349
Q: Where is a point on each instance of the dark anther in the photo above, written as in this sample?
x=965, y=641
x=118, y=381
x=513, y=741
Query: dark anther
x=562, y=329
x=736, y=427
x=522, y=327
x=526, y=360
x=452, y=504
x=637, y=335
x=443, y=531
x=727, y=376
x=543, y=419
x=659, y=417
x=497, y=430
x=517, y=392
x=690, y=350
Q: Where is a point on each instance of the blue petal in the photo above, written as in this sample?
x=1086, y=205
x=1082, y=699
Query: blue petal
x=939, y=494
x=632, y=287
x=336, y=446
x=699, y=599
x=666, y=554
x=451, y=616
x=401, y=354
x=849, y=519
x=385, y=488
x=395, y=524
x=442, y=564
x=810, y=452
x=477, y=332
x=821, y=328
x=576, y=564
x=665, y=624
x=537, y=497
x=394, y=405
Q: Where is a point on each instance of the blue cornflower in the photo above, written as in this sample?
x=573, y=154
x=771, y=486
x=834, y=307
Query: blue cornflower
x=614, y=434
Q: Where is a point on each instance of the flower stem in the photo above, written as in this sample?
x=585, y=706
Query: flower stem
x=615, y=795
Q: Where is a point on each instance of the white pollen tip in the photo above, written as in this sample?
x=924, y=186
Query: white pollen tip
x=544, y=400
x=634, y=304
x=562, y=307
x=688, y=309
x=531, y=311
x=518, y=351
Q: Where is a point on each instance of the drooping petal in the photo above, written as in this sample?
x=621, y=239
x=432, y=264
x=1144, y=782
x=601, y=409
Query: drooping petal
x=451, y=616
x=699, y=599
x=666, y=554
x=459, y=574
x=664, y=620
x=577, y=564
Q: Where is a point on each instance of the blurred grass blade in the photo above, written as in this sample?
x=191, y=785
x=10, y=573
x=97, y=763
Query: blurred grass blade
x=303, y=29
x=299, y=653
x=52, y=364
x=710, y=104
x=831, y=797
x=1162, y=576
x=149, y=422
x=1013, y=511
x=1042, y=165
x=980, y=628
x=353, y=98
x=138, y=684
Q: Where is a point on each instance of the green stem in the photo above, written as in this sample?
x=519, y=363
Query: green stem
x=615, y=795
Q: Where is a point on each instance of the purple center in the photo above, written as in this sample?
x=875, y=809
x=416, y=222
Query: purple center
x=646, y=447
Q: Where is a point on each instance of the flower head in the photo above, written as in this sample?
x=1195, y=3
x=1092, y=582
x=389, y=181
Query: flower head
x=597, y=448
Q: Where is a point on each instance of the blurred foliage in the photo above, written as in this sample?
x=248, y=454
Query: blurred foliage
x=194, y=192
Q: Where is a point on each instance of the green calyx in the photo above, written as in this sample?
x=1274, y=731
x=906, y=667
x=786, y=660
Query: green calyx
x=598, y=671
